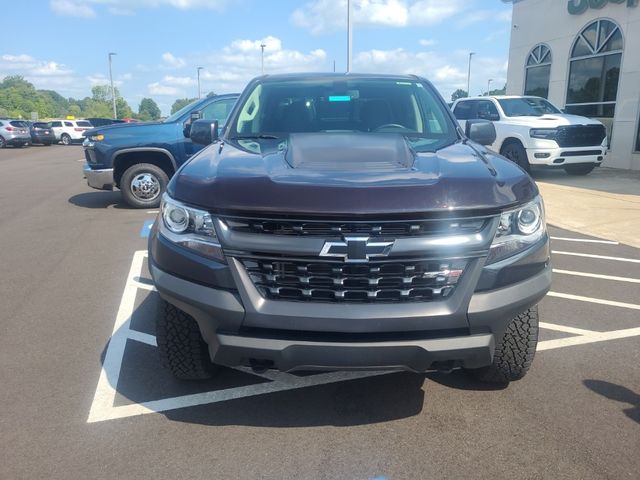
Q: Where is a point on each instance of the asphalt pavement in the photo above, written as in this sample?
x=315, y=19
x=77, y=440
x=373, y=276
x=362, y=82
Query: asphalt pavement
x=83, y=394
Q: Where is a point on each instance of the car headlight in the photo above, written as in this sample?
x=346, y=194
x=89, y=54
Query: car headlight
x=518, y=230
x=189, y=227
x=543, y=133
x=96, y=138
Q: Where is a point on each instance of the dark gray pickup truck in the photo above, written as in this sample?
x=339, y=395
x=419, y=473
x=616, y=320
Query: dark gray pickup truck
x=346, y=222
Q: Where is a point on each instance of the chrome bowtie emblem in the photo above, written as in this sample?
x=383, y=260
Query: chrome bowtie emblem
x=356, y=249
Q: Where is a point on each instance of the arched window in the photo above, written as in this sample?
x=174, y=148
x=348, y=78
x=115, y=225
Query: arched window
x=594, y=70
x=538, y=71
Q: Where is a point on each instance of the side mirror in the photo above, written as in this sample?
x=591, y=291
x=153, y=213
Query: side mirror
x=480, y=131
x=204, y=132
x=186, y=128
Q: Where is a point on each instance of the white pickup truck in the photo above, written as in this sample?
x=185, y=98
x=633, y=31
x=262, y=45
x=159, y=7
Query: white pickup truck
x=531, y=131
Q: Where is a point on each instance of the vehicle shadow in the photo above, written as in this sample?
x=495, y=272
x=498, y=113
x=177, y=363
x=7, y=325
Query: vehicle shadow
x=602, y=179
x=99, y=199
x=618, y=393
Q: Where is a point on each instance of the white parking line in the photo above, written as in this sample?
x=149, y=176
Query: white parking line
x=584, y=240
x=153, y=211
x=597, y=275
x=600, y=301
x=602, y=257
x=565, y=329
x=142, y=337
x=586, y=338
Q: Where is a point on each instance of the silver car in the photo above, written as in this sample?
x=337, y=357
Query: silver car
x=14, y=132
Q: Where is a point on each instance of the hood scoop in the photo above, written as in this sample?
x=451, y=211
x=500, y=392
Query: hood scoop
x=349, y=151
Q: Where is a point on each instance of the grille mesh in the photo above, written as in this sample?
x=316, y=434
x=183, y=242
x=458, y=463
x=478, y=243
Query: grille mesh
x=398, y=281
x=580, y=135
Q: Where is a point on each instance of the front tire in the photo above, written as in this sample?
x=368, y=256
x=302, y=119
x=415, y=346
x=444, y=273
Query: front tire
x=580, y=169
x=514, y=151
x=514, y=351
x=181, y=346
x=143, y=184
x=65, y=139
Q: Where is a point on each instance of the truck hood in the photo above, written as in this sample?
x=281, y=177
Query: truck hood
x=553, y=120
x=348, y=175
x=129, y=127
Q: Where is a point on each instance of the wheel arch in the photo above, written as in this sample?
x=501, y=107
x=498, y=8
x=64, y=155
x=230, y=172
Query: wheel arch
x=123, y=159
x=512, y=139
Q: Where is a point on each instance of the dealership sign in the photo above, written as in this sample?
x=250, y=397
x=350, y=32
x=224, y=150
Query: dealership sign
x=576, y=7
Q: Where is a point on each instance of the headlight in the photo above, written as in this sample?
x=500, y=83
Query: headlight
x=189, y=227
x=96, y=138
x=518, y=230
x=543, y=133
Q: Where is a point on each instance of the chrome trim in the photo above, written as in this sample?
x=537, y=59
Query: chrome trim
x=99, y=179
x=356, y=249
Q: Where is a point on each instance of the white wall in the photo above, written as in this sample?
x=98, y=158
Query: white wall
x=548, y=21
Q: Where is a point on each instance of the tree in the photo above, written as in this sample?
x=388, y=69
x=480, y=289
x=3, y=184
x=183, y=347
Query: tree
x=181, y=102
x=459, y=93
x=148, y=110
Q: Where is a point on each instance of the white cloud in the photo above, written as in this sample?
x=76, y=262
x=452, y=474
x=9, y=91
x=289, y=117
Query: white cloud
x=72, y=8
x=427, y=42
x=446, y=72
x=102, y=79
x=86, y=8
x=42, y=73
x=321, y=16
x=171, y=61
x=157, y=88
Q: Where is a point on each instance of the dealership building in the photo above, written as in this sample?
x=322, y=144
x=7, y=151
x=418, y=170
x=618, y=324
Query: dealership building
x=584, y=56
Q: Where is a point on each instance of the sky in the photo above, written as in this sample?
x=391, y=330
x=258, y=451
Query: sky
x=63, y=45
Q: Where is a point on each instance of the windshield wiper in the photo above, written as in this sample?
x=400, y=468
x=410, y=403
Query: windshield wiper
x=256, y=136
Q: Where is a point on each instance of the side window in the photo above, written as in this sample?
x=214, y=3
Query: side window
x=56, y=124
x=218, y=110
x=464, y=110
x=68, y=124
x=487, y=111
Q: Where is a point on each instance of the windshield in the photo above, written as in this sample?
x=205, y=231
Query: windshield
x=409, y=108
x=526, y=107
x=179, y=113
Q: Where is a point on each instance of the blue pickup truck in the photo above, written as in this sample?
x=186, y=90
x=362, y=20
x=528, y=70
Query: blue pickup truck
x=140, y=158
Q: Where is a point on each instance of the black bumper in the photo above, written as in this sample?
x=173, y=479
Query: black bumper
x=241, y=327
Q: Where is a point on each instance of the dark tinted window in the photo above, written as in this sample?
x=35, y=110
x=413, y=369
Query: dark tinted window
x=218, y=110
x=68, y=124
x=537, y=81
x=486, y=110
x=42, y=125
x=464, y=110
x=56, y=124
x=84, y=123
x=19, y=124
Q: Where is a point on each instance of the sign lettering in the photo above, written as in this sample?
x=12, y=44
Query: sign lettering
x=578, y=7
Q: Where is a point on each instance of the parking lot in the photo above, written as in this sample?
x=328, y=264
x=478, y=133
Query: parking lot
x=84, y=396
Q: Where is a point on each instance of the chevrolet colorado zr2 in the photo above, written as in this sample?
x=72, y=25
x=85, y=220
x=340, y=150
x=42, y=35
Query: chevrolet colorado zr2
x=345, y=221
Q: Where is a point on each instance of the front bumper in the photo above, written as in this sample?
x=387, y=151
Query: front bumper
x=241, y=328
x=101, y=179
x=559, y=156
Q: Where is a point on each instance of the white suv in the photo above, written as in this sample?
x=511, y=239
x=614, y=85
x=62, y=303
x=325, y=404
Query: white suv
x=69, y=131
x=531, y=131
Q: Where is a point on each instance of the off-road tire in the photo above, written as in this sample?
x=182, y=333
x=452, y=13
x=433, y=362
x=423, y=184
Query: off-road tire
x=514, y=151
x=182, y=349
x=580, y=169
x=514, y=351
x=65, y=139
x=140, y=169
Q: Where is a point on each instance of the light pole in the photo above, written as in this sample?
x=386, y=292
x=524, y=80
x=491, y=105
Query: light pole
x=113, y=91
x=349, y=36
x=471, y=54
x=489, y=86
x=262, y=46
x=198, y=70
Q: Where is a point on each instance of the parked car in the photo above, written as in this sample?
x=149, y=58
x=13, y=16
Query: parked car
x=101, y=122
x=139, y=158
x=14, y=133
x=42, y=133
x=70, y=131
x=531, y=131
x=346, y=222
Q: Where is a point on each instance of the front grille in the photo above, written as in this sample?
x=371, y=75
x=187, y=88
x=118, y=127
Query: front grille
x=580, y=135
x=581, y=153
x=390, y=281
x=379, y=229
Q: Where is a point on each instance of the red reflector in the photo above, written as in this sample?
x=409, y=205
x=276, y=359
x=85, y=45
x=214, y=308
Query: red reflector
x=79, y=129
